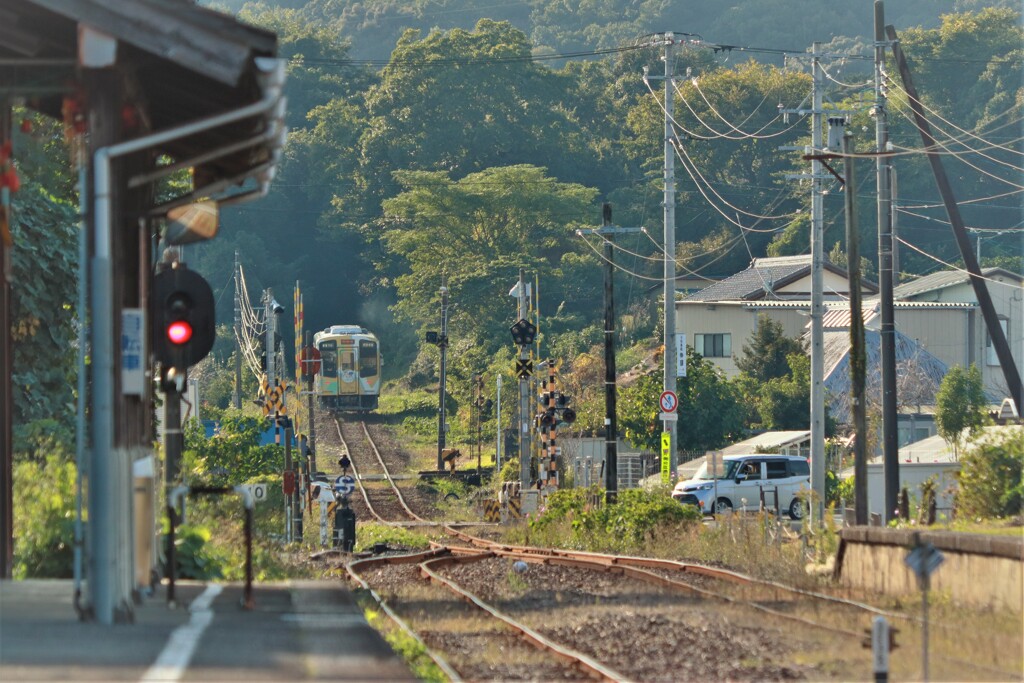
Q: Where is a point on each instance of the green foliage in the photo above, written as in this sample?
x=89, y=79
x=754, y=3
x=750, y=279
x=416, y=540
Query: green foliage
x=232, y=456
x=370, y=534
x=960, y=405
x=766, y=356
x=194, y=557
x=710, y=414
x=44, y=230
x=44, y=517
x=990, y=476
x=843, y=489
x=579, y=518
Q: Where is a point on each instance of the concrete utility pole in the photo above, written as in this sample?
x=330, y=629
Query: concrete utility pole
x=669, y=426
x=611, y=459
x=6, y=369
x=817, y=304
x=442, y=343
x=236, y=395
x=887, y=332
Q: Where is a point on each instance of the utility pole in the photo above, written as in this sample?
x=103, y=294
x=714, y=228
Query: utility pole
x=497, y=428
x=887, y=332
x=310, y=397
x=236, y=395
x=963, y=242
x=669, y=426
x=817, y=304
x=858, y=358
x=611, y=461
x=6, y=370
x=442, y=343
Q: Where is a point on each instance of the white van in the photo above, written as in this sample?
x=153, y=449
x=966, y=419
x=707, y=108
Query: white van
x=740, y=479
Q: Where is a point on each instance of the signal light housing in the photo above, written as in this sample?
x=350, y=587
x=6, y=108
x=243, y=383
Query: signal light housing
x=523, y=332
x=183, y=318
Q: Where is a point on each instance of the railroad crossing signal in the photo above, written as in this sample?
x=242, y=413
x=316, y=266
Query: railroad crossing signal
x=273, y=399
x=523, y=332
x=524, y=368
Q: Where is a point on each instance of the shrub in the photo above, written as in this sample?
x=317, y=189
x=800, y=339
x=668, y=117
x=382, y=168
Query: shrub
x=990, y=476
x=193, y=558
x=44, y=518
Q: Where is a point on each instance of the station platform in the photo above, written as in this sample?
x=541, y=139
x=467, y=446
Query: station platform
x=296, y=630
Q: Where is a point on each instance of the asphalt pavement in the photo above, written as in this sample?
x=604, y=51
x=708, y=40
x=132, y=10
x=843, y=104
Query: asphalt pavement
x=296, y=630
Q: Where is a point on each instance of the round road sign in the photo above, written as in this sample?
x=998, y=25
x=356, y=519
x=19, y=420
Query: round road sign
x=668, y=401
x=344, y=485
x=310, y=360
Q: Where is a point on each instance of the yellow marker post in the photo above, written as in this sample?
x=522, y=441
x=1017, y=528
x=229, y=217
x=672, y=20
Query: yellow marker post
x=666, y=457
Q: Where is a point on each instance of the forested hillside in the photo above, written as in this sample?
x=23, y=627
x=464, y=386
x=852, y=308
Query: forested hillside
x=479, y=148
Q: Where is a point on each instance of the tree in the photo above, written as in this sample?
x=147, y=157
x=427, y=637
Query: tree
x=990, y=476
x=960, y=405
x=710, y=415
x=478, y=232
x=765, y=357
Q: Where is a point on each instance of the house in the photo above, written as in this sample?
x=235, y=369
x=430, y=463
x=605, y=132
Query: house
x=958, y=336
x=938, y=322
x=719, y=319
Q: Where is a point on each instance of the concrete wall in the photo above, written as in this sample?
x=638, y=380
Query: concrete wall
x=978, y=570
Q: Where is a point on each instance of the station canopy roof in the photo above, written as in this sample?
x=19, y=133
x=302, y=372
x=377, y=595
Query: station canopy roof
x=180, y=62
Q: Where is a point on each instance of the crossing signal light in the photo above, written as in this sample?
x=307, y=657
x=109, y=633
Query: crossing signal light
x=568, y=416
x=183, y=316
x=523, y=332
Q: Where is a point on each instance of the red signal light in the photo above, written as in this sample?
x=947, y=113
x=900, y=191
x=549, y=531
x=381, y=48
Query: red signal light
x=179, y=332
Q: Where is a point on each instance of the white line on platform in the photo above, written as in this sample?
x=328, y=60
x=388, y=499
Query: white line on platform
x=173, y=661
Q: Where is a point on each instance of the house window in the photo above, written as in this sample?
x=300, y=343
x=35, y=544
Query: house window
x=713, y=345
x=991, y=357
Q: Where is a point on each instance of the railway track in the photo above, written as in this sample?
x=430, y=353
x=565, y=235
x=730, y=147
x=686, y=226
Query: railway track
x=489, y=611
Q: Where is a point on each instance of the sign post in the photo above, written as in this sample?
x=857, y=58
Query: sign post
x=924, y=559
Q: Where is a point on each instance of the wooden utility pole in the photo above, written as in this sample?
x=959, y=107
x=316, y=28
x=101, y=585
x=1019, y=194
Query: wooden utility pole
x=858, y=359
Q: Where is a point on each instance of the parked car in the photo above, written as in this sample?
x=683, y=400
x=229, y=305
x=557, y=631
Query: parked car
x=739, y=481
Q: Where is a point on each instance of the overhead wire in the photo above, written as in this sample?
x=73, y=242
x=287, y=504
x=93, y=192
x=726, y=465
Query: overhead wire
x=950, y=265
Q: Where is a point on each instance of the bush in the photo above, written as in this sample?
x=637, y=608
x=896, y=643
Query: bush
x=990, y=476
x=44, y=518
x=579, y=518
x=193, y=558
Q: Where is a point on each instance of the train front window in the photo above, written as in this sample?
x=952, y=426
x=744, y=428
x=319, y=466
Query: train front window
x=329, y=357
x=367, y=358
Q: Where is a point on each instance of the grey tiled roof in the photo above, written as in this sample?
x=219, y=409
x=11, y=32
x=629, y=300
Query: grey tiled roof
x=942, y=279
x=756, y=282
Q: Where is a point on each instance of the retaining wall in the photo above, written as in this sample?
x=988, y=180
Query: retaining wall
x=983, y=571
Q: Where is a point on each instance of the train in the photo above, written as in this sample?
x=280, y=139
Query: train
x=350, y=368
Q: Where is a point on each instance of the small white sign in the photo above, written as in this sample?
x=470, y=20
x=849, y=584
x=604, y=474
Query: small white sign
x=681, y=355
x=133, y=351
x=668, y=417
x=259, y=492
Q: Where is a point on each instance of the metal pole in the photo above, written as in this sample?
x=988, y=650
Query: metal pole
x=611, y=455
x=311, y=406
x=670, y=245
x=497, y=429
x=817, y=507
x=6, y=370
x=858, y=359
x=271, y=318
x=442, y=385
x=236, y=395
x=524, y=398
x=887, y=331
